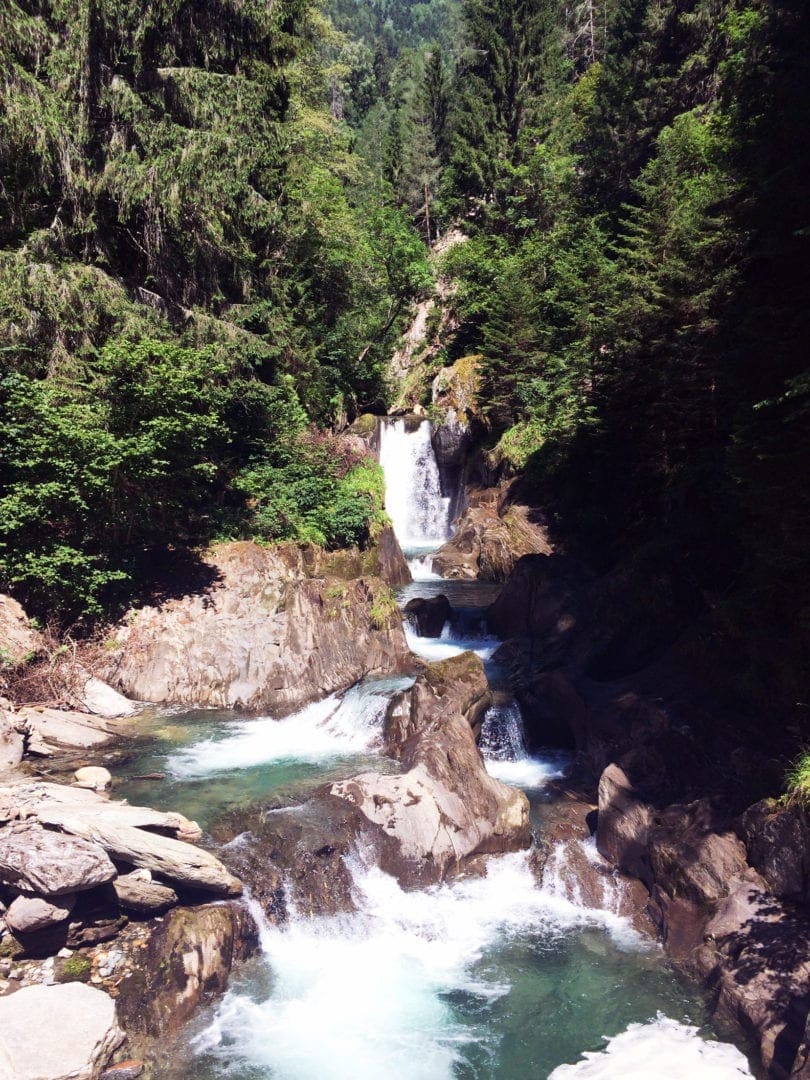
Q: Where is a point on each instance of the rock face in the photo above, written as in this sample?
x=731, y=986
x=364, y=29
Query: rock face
x=66, y=1032
x=716, y=914
x=778, y=842
x=490, y=537
x=12, y=742
x=266, y=636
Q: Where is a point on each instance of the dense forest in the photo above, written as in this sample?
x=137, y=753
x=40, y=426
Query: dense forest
x=215, y=216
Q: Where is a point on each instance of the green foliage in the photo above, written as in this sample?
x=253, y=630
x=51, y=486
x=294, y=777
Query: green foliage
x=797, y=780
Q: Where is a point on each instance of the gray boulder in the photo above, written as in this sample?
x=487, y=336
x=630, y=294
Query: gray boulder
x=27, y=914
x=49, y=863
x=63, y=1032
x=139, y=894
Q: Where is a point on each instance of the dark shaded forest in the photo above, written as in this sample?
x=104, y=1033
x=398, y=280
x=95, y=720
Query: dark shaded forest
x=215, y=216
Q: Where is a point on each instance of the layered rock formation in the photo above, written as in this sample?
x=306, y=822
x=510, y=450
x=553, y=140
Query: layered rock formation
x=266, y=635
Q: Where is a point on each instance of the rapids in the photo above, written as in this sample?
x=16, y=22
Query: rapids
x=492, y=976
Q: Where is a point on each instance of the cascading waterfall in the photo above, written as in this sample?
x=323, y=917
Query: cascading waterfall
x=491, y=975
x=413, y=493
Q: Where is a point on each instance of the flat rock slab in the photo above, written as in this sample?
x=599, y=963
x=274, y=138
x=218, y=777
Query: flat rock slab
x=66, y=1032
x=49, y=863
x=73, y=729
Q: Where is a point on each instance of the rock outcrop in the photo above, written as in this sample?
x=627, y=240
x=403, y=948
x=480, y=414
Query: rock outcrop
x=185, y=963
x=66, y=1032
x=443, y=808
x=716, y=914
x=421, y=824
x=489, y=538
x=266, y=635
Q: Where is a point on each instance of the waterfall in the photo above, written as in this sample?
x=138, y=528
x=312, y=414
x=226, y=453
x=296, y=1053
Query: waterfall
x=413, y=494
x=503, y=746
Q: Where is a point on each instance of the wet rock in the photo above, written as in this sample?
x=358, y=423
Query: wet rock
x=28, y=914
x=62, y=1032
x=143, y=897
x=265, y=636
x=50, y=863
x=624, y=823
x=186, y=962
x=428, y=614
x=458, y=685
x=93, y=777
x=444, y=808
x=777, y=839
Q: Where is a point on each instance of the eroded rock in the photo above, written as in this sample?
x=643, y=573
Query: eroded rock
x=142, y=896
x=428, y=614
x=624, y=824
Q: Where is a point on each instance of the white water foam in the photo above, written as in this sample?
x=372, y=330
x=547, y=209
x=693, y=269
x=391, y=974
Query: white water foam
x=331, y=728
x=503, y=748
x=378, y=980
x=413, y=498
x=442, y=648
x=662, y=1049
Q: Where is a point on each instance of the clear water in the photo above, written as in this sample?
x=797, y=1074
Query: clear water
x=209, y=762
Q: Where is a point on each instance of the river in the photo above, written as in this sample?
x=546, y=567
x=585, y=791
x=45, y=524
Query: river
x=492, y=976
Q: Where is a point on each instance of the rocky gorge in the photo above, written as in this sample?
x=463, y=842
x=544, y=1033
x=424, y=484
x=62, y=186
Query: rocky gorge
x=142, y=907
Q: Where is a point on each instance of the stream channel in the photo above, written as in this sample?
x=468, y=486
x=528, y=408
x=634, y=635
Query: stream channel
x=483, y=977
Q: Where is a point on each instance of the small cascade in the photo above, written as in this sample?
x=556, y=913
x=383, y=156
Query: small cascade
x=576, y=872
x=336, y=726
x=503, y=746
x=413, y=492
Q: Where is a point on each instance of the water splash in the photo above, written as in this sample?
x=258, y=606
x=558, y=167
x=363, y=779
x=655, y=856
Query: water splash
x=503, y=746
x=381, y=981
x=664, y=1049
x=413, y=496
x=333, y=727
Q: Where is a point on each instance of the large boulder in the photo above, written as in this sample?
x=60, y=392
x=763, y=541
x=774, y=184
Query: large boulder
x=428, y=614
x=49, y=863
x=68, y=728
x=489, y=538
x=102, y=700
x=186, y=962
x=66, y=1032
x=264, y=636
x=443, y=808
x=139, y=894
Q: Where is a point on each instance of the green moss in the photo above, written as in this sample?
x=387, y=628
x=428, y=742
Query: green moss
x=384, y=609
x=75, y=969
